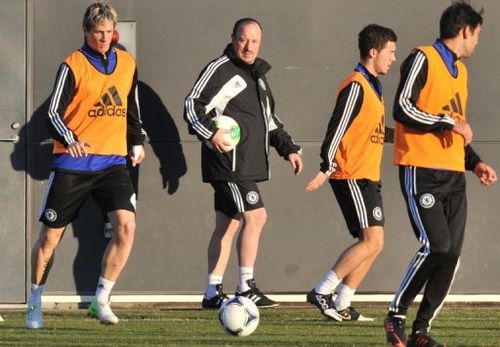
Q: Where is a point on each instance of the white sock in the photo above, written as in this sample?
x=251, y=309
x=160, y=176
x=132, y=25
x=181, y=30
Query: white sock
x=328, y=283
x=36, y=294
x=103, y=290
x=212, y=281
x=245, y=274
x=344, y=297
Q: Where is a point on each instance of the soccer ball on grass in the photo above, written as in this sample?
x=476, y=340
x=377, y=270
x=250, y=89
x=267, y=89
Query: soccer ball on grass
x=239, y=316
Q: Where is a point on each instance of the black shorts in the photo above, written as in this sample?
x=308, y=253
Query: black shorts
x=234, y=198
x=360, y=202
x=67, y=192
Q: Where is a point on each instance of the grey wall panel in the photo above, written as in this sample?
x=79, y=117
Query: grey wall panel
x=480, y=258
x=312, y=46
x=12, y=153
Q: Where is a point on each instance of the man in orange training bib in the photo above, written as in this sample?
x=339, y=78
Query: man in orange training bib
x=432, y=147
x=92, y=112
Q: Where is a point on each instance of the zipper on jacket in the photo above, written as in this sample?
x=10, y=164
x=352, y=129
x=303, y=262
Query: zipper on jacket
x=105, y=63
x=265, y=116
x=233, y=166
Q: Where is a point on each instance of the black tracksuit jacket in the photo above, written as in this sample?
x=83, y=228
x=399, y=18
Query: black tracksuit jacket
x=228, y=86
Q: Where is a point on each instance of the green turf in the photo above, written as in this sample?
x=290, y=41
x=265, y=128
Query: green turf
x=278, y=327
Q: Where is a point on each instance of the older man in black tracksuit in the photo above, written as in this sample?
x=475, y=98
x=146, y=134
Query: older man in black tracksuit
x=235, y=85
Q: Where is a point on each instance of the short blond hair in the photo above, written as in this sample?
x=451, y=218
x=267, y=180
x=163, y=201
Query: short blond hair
x=97, y=13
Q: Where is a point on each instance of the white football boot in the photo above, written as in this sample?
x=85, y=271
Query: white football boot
x=106, y=316
x=34, y=318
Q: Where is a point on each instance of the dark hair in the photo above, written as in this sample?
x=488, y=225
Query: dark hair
x=242, y=21
x=457, y=16
x=374, y=36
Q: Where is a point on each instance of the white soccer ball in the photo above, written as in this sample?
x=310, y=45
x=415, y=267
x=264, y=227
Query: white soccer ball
x=239, y=316
x=228, y=123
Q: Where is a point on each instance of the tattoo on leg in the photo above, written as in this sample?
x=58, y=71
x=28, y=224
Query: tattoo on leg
x=45, y=264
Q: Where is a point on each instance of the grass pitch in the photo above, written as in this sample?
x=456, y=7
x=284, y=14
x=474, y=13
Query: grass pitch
x=278, y=327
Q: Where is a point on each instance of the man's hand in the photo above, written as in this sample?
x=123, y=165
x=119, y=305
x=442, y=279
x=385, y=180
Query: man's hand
x=296, y=162
x=316, y=182
x=137, y=155
x=464, y=129
x=485, y=174
x=78, y=149
x=218, y=141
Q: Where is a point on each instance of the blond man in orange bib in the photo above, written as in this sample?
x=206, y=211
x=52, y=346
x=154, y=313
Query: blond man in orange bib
x=92, y=112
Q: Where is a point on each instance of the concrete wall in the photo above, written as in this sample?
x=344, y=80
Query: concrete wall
x=311, y=46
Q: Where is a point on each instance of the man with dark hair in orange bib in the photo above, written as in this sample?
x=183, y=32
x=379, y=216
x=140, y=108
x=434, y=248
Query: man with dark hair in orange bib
x=432, y=148
x=92, y=112
x=351, y=154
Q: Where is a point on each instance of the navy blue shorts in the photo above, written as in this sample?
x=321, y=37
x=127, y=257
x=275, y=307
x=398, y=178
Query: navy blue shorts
x=361, y=203
x=67, y=192
x=234, y=198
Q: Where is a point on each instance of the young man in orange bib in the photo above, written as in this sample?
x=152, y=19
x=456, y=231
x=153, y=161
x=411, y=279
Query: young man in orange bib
x=92, y=112
x=351, y=155
x=432, y=149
